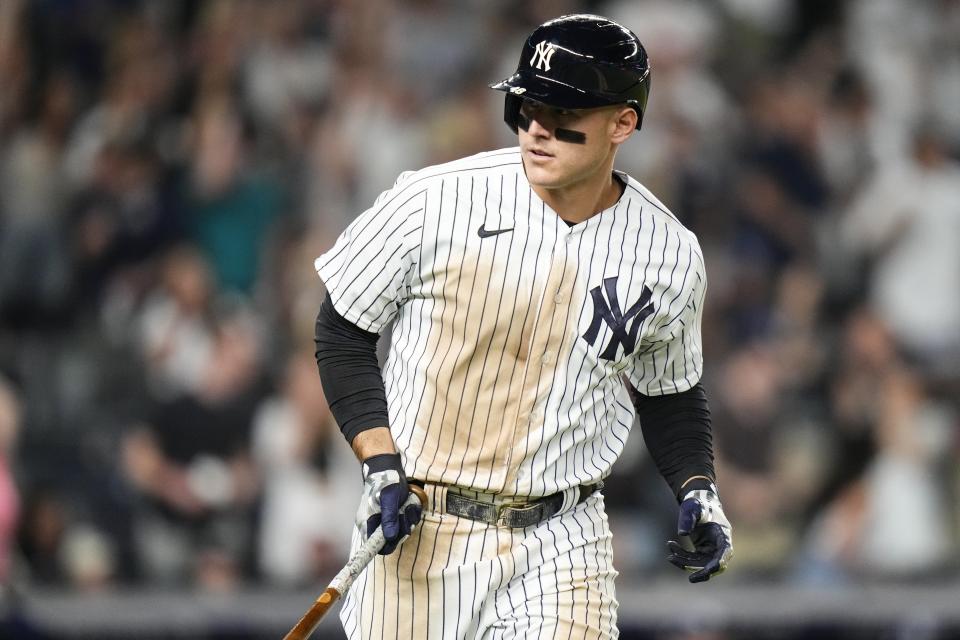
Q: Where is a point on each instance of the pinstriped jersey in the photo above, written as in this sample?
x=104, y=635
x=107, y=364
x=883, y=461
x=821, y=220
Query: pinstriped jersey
x=512, y=329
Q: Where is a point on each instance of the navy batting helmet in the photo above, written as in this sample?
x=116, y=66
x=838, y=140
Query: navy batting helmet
x=577, y=62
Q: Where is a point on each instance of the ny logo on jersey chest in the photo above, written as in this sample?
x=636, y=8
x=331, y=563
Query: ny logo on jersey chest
x=624, y=326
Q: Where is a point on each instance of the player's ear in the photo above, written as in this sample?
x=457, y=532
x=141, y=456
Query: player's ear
x=622, y=124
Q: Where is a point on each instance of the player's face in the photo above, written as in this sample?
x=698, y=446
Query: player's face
x=562, y=147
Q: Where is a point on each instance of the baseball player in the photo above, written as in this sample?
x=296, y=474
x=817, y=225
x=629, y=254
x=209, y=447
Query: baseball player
x=540, y=301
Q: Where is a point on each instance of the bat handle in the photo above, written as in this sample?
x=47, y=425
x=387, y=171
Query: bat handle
x=342, y=581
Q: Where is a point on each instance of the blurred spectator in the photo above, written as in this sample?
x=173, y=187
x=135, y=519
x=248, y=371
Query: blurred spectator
x=33, y=175
x=771, y=229
x=285, y=67
x=897, y=39
x=781, y=184
x=905, y=529
x=906, y=226
x=192, y=463
x=177, y=332
x=122, y=220
x=453, y=126
x=137, y=95
x=60, y=547
x=796, y=322
x=41, y=535
x=34, y=276
x=14, y=65
x=747, y=416
x=884, y=513
x=429, y=46
x=231, y=208
x=680, y=38
x=309, y=472
x=294, y=295
x=844, y=136
x=866, y=354
x=892, y=522
x=381, y=130
x=784, y=115
x=88, y=557
x=9, y=494
x=691, y=179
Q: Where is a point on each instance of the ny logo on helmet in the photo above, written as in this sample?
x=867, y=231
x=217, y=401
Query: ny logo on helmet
x=621, y=330
x=542, y=54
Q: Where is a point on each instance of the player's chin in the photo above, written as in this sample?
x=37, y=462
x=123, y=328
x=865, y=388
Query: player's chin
x=546, y=177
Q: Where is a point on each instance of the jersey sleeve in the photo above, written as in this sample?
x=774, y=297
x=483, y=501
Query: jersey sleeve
x=367, y=271
x=672, y=361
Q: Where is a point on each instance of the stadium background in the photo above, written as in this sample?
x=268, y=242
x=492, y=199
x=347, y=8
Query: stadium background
x=169, y=170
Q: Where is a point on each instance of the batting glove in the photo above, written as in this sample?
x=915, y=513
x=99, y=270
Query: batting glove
x=385, y=489
x=702, y=521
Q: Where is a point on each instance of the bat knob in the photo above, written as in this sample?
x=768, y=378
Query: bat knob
x=421, y=495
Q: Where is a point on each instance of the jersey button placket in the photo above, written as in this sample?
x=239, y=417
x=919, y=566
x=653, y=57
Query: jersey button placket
x=547, y=329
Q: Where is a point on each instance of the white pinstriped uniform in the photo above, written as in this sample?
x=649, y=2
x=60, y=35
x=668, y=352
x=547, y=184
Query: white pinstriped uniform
x=511, y=333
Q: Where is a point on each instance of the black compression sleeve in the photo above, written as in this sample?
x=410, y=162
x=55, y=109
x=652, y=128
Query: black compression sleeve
x=676, y=428
x=349, y=372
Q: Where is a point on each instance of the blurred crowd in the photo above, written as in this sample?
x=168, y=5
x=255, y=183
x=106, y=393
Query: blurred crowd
x=169, y=169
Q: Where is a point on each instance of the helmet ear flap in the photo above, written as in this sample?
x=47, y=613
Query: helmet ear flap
x=511, y=111
x=640, y=105
x=633, y=104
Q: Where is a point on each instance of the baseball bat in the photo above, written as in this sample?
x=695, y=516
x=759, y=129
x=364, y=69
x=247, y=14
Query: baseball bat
x=342, y=581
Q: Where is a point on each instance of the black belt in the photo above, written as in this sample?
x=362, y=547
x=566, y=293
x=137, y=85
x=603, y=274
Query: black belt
x=515, y=514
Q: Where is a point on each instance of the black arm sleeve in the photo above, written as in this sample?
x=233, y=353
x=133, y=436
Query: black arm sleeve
x=349, y=372
x=676, y=428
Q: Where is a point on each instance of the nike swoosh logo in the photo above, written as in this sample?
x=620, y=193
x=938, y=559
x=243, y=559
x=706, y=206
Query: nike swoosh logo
x=483, y=233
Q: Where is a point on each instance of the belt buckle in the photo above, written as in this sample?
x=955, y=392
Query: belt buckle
x=519, y=510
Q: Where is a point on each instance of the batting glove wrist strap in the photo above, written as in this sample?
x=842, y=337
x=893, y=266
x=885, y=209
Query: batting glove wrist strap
x=693, y=484
x=385, y=489
x=380, y=463
x=703, y=523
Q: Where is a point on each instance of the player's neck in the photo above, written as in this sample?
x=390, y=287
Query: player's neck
x=583, y=200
